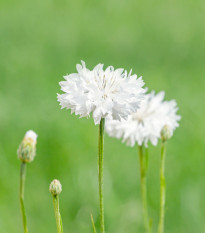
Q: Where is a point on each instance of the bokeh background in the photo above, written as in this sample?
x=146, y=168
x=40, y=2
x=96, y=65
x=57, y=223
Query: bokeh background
x=40, y=41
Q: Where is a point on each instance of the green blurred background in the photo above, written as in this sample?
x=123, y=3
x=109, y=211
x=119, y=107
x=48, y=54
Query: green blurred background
x=40, y=41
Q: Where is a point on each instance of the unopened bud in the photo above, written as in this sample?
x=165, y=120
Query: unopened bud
x=55, y=187
x=27, y=148
x=165, y=133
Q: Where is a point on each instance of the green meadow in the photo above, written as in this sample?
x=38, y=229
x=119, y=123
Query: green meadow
x=40, y=41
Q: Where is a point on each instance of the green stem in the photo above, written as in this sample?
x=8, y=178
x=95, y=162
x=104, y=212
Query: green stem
x=162, y=189
x=143, y=168
x=57, y=214
x=22, y=184
x=93, y=223
x=100, y=172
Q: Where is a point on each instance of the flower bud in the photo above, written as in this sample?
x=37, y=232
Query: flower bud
x=55, y=187
x=165, y=133
x=27, y=148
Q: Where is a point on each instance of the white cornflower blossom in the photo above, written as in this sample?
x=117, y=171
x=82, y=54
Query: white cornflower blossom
x=146, y=124
x=109, y=92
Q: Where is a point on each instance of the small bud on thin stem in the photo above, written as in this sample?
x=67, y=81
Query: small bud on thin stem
x=27, y=148
x=26, y=154
x=165, y=133
x=55, y=189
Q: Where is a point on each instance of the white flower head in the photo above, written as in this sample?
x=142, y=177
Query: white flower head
x=104, y=93
x=146, y=124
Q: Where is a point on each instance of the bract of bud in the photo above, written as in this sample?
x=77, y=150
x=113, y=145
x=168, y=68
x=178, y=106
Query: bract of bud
x=165, y=133
x=27, y=149
x=55, y=187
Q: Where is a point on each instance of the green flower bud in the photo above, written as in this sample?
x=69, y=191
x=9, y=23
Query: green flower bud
x=27, y=148
x=55, y=187
x=165, y=133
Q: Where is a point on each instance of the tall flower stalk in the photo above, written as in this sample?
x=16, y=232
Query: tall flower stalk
x=55, y=189
x=110, y=93
x=143, y=160
x=162, y=188
x=22, y=183
x=165, y=135
x=100, y=172
x=26, y=154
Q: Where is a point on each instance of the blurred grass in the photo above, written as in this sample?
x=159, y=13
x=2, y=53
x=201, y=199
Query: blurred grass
x=43, y=40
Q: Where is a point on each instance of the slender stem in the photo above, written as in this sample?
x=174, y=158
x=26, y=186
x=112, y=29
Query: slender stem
x=22, y=183
x=57, y=214
x=100, y=172
x=162, y=188
x=93, y=223
x=143, y=168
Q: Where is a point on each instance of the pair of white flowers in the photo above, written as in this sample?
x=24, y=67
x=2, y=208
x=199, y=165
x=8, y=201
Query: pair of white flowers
x=130, y=112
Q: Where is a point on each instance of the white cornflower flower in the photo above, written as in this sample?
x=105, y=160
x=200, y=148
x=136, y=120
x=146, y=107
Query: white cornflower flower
x=146, y=124
x=109, y=92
